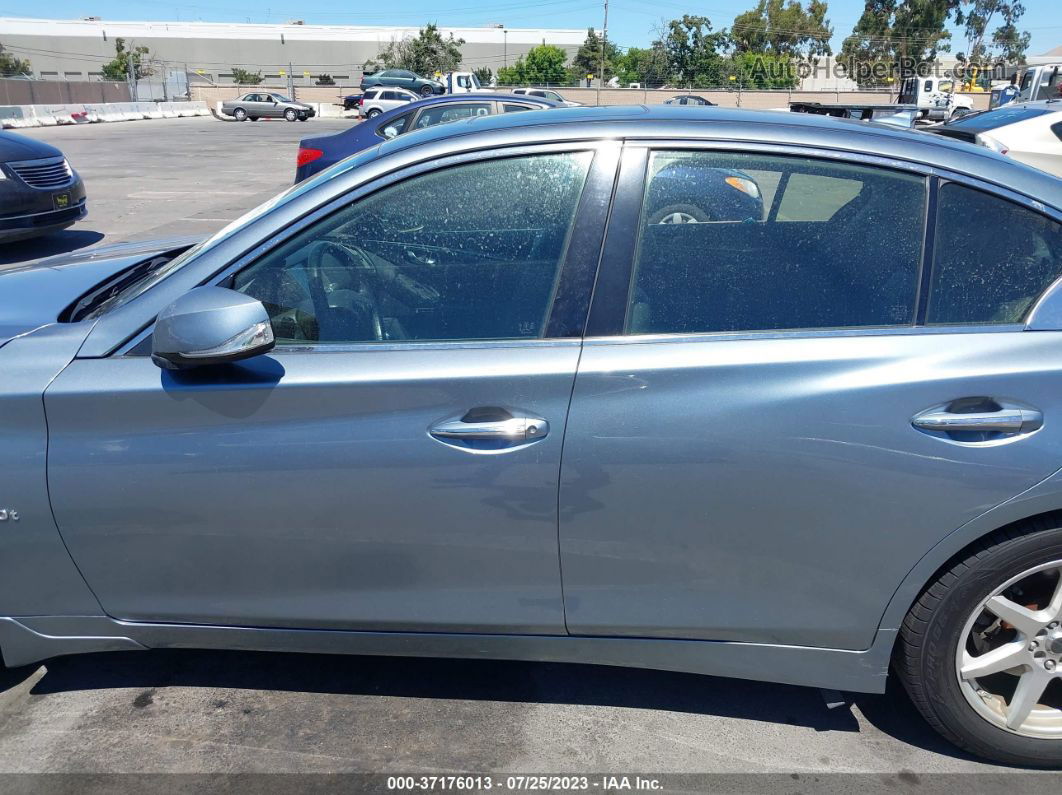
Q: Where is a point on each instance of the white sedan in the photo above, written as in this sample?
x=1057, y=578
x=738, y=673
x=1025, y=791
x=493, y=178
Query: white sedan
x=546, y=93
x=1030, y=132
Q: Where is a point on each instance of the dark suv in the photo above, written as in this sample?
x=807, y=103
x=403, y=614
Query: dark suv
x=39, y=191
x=402, y=78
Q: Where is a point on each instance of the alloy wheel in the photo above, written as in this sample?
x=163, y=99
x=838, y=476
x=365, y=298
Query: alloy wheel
x=1009, y=656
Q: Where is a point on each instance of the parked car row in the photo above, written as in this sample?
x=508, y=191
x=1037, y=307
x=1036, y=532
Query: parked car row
x=1030, y=132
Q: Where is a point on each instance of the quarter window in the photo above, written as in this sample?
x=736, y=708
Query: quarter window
x=992, y=258
x=741, y=242
x=471, y=252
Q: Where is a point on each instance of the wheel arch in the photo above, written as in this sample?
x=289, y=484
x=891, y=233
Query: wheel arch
x=1042, y=502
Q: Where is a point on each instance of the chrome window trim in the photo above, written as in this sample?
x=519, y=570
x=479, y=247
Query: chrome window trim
x=865, y=331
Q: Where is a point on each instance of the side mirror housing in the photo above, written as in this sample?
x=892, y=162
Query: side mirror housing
x=210, y=325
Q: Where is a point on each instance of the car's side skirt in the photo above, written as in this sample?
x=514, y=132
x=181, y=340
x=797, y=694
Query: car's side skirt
x=32, y=639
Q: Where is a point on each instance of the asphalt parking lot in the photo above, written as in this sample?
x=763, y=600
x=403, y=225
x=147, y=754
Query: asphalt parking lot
x=209, y=712
x=170, y=177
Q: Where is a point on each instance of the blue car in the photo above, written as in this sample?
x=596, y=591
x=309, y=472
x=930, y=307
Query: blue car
x=464, y=395
x=317, y=154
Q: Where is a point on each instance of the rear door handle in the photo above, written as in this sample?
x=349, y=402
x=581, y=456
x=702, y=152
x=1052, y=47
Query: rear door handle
x=1009, y=421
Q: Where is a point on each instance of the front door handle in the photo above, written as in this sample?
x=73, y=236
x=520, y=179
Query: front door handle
x=498, y=426
x=1008, y=421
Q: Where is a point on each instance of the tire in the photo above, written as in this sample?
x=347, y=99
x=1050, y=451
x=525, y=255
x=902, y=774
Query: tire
x=372, y=114
x=291, y=114
x=1022, y=563
x=678, y=214
x=254, y=118
x=426, y=91
x=958, y=113
x=304, y=118
x=239, y=114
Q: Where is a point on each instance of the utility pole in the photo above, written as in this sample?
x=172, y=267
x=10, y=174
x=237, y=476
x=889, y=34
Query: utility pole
x=131, y=73
x=291, y=82
x=505, y=47
x=604, y=38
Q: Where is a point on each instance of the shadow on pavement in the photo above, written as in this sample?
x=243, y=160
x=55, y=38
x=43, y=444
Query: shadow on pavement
x=483, y=680
x=56, y=243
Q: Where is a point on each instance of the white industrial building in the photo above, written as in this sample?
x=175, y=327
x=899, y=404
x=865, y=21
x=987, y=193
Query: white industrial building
x=77, y=49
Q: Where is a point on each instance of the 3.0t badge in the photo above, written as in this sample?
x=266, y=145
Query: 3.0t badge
x=8, y=515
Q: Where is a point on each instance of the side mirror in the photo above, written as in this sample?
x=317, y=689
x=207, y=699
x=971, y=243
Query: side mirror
x=210, y=325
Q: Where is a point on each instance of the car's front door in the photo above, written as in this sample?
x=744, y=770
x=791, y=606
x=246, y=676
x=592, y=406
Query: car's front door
x=754, y=450
x=394, y=463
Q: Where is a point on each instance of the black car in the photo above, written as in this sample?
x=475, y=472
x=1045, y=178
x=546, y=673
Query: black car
x=350, y=101
x=689, y=99
x=39, y=191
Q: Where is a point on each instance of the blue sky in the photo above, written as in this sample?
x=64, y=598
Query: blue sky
x=630, y=21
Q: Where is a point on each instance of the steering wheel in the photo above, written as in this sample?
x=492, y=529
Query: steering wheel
x=320, y=289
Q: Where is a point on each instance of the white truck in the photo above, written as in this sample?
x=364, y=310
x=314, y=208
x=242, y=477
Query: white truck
x=463, y=83
x=934, y=97
x=1039, y=81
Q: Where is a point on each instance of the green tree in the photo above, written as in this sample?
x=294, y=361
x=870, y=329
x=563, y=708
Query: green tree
x=425, y=53
x=761, y=71
x=484, y=74
x=777, y=27
x=541, y=65
x=587, y=60
x=10, y=66
x=647, y=66
x=118, y=69
x=896, y=38
x=1007, y=44
x=693, y=51
x=325, y=80
x=244, y=77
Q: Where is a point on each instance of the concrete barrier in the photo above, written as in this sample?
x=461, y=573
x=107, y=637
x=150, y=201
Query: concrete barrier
x=20, y=116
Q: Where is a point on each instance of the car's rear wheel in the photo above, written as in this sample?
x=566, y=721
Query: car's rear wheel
x=678, y=214
x=426, y=91
x=291, y=114
x=980, y=652
x=372, y=114
x=239, y=114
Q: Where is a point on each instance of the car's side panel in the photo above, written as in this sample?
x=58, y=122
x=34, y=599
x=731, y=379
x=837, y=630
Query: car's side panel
x=37, y=576
x=773, y=489
x=303, y=489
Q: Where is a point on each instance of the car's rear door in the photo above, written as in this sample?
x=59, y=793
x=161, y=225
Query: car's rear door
x=394, y=463
x=754, y=449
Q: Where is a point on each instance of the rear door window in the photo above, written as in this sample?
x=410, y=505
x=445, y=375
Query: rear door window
x=747, y=242
x=992, y=258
